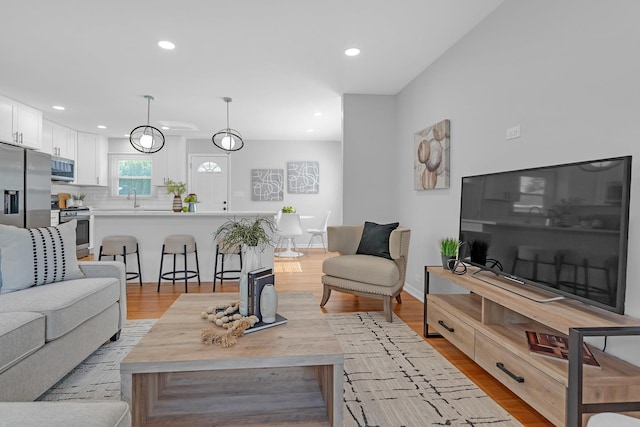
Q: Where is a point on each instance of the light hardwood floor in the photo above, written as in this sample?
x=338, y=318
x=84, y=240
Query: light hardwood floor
x=303, y=274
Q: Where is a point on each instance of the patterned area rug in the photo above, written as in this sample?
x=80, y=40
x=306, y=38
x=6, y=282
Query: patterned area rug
x=392, y=377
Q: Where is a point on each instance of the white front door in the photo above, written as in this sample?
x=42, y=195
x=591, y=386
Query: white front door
x=208, y=180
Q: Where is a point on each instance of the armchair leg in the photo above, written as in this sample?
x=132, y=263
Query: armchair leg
x=388, y=312
x=399, y=299
x=326, y=293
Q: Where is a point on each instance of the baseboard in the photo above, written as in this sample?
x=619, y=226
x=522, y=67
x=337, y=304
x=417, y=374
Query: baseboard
x=416, y=293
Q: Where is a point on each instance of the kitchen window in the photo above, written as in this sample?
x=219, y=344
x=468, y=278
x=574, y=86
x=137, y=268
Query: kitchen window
x=132, y=172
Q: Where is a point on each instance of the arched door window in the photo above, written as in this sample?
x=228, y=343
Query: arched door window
x=209, y=167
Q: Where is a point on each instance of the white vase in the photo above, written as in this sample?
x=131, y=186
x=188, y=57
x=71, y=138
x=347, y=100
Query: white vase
x=268, y=303
x=250, y=261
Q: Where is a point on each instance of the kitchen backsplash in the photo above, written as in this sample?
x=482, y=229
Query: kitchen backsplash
x=99, y=197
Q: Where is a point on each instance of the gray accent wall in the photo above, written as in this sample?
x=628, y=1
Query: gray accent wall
x=565, y=71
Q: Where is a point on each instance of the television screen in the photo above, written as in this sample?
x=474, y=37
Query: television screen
x=562, y=228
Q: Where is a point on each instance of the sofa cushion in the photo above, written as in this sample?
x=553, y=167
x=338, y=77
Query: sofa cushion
x=375, y=239
x=362, y=268
x=37, y=256
x=21, y=333
x=65, y=304
x=65, y=414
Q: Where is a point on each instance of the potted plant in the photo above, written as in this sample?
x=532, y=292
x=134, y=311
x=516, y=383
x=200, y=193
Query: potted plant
x=177, y=189
x=288, y=209
x=251, y=236
x=78, y=199
x=448, y=250
x=568, y=216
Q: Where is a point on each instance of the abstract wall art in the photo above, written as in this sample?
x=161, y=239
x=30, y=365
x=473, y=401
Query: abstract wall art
x=303, y=177
x=431, y=154
x=267, y=184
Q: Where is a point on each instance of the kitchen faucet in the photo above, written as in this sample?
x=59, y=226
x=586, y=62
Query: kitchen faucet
x=135, y=197
x=531, y=209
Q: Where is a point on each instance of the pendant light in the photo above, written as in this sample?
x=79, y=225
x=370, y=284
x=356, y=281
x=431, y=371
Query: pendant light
x=228, y=139
x=146, y=138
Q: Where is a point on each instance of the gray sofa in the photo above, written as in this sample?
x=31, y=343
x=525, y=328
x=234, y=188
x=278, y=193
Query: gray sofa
x=45, y=331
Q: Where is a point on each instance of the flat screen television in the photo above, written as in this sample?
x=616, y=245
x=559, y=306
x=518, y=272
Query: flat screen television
x=561, y=228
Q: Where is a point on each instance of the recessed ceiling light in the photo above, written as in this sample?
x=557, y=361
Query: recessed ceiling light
x=126, y=135
x=352, y=51
x=165, y=128
x=317, y=113
x=102, y=127
x=309, y=130
x=166, y=45
x=58, y=107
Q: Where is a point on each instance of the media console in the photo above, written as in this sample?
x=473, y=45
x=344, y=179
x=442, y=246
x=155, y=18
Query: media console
x=489, y=325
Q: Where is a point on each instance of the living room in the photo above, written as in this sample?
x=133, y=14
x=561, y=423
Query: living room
x=562, y=71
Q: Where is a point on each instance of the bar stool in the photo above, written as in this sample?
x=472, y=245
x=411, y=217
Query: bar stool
x=121, y=246
x=222, y=252
x=179, y=244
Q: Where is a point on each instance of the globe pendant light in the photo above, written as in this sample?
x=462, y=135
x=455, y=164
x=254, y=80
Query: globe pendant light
x=146, y=138
x=228, y=139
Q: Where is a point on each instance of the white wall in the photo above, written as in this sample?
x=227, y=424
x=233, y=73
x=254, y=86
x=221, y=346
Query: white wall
x=370, y=157
x=566, y=72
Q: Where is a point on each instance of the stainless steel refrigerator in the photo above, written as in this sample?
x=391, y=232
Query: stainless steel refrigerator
x=25, y=184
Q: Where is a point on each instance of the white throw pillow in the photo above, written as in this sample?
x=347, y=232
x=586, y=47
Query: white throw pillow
x=37, y=256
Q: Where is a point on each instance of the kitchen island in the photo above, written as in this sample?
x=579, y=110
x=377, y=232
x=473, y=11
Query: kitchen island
x=150, y=227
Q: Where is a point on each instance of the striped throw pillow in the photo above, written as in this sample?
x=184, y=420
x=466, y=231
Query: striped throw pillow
x=37, y=256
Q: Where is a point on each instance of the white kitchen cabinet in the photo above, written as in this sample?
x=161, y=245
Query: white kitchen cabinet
x=92, y=163
x=20, y=124
x=58, y=140
x=170, y=162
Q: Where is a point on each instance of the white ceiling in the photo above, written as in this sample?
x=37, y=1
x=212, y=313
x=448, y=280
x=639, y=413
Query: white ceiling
x=280, y=60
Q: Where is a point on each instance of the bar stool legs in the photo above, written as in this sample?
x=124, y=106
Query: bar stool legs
x=221, y=274
x=179, y=245
x=111, y=247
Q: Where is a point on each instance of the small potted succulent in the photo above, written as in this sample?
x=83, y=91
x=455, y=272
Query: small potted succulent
x=448, y=250
x=78, y=199
x=288, y=209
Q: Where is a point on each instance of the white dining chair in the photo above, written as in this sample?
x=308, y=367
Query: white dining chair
x=319, y=232
x=289, y=227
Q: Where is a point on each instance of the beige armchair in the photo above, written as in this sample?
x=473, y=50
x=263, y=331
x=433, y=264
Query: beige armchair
x=365, y=275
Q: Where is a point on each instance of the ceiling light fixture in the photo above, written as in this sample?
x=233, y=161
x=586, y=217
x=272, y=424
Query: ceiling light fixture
x=228, y=139
x=353, y=51
x=166, y=45
x=58, y=107
x=317, y=113
x=101, y=127
x=146, y=138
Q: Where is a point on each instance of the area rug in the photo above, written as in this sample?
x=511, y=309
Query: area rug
x=392, y=377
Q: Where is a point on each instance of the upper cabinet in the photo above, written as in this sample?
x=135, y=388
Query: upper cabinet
x=170, y=162
x=58, y=140
x=92, y=162
x=20, y=124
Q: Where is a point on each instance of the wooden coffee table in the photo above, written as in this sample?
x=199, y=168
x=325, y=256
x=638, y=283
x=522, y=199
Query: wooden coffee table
x=289, y=374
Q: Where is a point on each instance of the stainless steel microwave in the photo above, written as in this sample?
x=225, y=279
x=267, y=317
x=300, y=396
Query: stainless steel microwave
x=62, y=169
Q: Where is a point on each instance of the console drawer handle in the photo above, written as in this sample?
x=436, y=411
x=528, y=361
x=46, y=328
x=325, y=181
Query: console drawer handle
x=444, y=325
x=508, y=372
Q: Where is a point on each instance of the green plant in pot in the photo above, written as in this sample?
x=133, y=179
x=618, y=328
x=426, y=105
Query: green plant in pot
x=288, y=209
x=448, y=250
x=252, y=236
x=177, y=189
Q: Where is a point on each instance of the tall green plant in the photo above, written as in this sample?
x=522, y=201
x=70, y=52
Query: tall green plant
x=246, y=231
x=449, y=246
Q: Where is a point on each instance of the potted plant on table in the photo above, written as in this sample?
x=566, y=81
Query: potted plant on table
x=252, y=236
x=448, y=250
x=177, y=189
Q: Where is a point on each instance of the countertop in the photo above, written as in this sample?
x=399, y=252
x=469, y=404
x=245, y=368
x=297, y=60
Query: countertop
x=170, y=213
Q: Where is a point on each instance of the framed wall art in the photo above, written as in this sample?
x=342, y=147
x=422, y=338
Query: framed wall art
x=267, y=184
x=303, y=177
x=431, y=154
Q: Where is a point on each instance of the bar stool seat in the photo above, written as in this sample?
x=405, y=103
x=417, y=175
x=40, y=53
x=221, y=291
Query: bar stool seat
x=121, y=246
x=179, y=244
x=222, y=253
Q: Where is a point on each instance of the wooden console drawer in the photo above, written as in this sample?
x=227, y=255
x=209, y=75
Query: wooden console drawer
x=449, y=326
x=542, y=392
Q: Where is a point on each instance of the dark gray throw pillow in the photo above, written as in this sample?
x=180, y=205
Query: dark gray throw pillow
x=375, y=239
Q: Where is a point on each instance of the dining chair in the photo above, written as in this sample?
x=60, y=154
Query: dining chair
x=288, y=228
x=319, y=232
